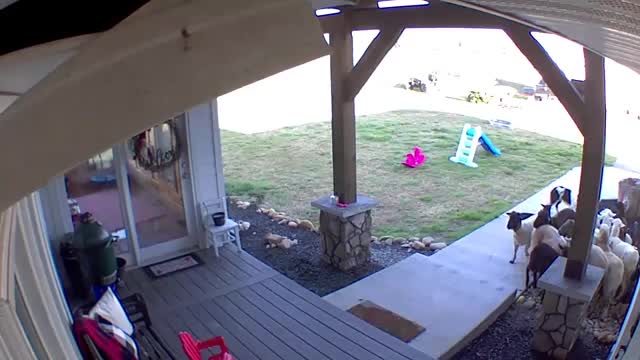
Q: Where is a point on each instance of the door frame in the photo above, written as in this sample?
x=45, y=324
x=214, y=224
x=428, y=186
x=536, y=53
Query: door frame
x=144, y=255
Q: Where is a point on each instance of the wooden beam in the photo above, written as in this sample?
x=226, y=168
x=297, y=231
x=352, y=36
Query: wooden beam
x=551, y=74
x=368, y=63
x=436, y=15
x=343, y=119
x=592, y=165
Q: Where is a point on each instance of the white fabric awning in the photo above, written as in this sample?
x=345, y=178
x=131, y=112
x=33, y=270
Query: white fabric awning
x=610, y=28
x=167, y=57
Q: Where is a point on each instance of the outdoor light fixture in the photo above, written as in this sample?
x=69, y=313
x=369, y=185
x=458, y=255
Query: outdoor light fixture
x=400, y=3
x=327, y=11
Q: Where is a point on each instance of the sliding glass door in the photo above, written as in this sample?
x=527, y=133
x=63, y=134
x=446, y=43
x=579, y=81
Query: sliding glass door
x=160, y=189
x=141, y=192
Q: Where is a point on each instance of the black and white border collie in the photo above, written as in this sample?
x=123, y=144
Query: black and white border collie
x=561, y=198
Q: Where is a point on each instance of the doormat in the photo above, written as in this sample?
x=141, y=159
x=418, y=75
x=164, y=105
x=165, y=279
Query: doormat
x=170, y=266
x=387, y=321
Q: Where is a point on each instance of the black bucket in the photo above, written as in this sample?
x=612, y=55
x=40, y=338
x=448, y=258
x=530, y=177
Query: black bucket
x=219, y=218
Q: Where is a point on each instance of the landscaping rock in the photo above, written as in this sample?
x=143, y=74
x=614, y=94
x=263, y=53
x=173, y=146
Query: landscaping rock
x=243, y=204
x=389, y=241
x=438, y=246
x=283, y=221
x=292, y=224
x=417, y=245
x=273, y=239
x=244, y=225
x=287, y=243
x=399, y=240
x=427, y=240
x=307, y=225
x=407, y=245
x=385, y=238
x=374, y=238
x=412, y=239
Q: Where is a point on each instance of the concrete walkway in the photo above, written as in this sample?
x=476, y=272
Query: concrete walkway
x=458, y=292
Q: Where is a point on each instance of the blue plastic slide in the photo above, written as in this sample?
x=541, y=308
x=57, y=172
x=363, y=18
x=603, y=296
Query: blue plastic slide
x=488, y=145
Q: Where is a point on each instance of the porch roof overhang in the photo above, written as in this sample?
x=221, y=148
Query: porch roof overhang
x=166, y=56
x=610, y=28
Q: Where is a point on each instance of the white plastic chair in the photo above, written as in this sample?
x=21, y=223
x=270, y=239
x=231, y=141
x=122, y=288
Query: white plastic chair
x=218, y=236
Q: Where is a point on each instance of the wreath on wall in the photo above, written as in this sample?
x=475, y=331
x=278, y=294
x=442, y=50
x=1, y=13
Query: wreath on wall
x=155, y=159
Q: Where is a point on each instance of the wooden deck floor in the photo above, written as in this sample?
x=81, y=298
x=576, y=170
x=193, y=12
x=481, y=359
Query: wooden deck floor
x=260, y=313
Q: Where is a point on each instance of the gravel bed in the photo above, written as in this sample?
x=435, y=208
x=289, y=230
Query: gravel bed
x=509, y=338
x=301, y=262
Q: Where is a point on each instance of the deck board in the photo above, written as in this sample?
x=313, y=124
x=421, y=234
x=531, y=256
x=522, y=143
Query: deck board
x=374, y=333
x=314, y=340
x=273, y=327
x=326, y=332
x=261, y=314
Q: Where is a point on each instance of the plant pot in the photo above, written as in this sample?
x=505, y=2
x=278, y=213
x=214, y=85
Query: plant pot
x=219, y=218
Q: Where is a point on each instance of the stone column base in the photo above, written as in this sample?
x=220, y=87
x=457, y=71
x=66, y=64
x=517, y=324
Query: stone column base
x=558, y=325
x=344, y=241
x=564, y=305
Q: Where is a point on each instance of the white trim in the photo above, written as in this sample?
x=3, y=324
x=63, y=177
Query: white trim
x=13, y=341
x=186, y=182
x=126, y=208
x=217, y=151
x=58, y=216
x=42, y=291
x=7, y=233
x=205, y=155
x=625, y=336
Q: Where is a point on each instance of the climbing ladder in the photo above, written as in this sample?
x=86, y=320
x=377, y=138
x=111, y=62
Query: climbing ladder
x=467, y=146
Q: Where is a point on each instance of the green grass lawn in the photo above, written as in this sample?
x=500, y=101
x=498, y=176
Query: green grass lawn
x=288, y=168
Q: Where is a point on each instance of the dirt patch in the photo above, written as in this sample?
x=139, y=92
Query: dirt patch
x=301, y=262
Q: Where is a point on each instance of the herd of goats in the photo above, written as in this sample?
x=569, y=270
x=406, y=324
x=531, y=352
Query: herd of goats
x=548, y=235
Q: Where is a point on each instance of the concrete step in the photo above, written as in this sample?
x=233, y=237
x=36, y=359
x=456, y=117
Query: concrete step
x=453, y=305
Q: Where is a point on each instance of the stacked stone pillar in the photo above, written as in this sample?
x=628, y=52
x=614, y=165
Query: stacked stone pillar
x=564, y=306
x=345, y=233
x=558, y=325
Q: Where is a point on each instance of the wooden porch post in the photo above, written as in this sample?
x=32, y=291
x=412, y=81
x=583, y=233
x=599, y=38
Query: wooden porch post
x=592, y=165
x=343, y=119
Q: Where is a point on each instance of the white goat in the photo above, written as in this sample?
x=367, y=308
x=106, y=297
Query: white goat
x=521, y=232
x=549, y=235
x=614, y=272
x=626, y=252
x=598, y=258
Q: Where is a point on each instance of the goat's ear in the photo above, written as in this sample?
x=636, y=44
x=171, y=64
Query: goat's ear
x=509, y=213
x=525, y=216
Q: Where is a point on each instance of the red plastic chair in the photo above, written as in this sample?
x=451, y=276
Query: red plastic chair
x=193, y=347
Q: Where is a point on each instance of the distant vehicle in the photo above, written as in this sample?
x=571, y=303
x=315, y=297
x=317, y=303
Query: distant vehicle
x=527, y=91
x=542, y=92
x=417, y=85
